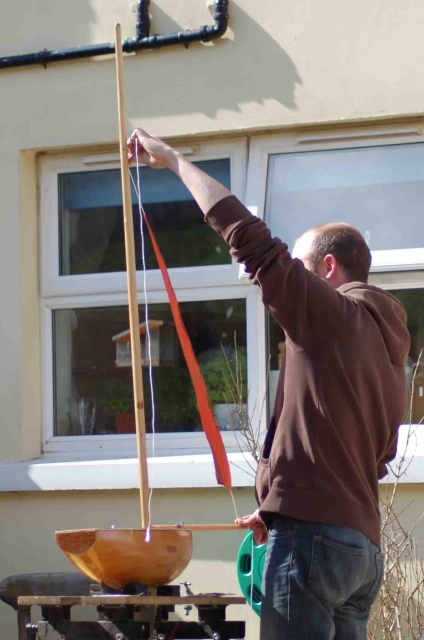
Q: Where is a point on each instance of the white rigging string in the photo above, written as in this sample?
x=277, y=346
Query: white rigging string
x=252, y=580
x=234, y=504
x=142, y=214
x=252, y=570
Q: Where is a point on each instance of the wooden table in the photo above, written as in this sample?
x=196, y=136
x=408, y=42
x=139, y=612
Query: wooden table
x=130, y=617
x=120, y=617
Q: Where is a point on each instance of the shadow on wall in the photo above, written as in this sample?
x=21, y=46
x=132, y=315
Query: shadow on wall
x=250, y=68
x=247, y=67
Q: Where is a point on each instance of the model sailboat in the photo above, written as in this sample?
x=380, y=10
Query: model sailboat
x=152, y=555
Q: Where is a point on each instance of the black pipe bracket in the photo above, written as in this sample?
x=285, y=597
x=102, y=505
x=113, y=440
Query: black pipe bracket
x=143, y=40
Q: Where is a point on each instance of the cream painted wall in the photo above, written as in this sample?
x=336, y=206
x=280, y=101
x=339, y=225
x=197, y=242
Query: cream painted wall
x=281, y=64
x=29, y=520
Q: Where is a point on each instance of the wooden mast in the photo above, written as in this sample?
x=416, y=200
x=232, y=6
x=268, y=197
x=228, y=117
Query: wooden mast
x=140, y=420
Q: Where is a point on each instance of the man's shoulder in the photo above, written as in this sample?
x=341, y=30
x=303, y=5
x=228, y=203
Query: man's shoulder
x=385, y=311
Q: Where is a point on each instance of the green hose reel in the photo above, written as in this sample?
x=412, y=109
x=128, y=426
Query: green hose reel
x=249, y=572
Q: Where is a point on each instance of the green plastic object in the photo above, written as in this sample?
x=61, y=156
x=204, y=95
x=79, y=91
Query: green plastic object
x=248, y=569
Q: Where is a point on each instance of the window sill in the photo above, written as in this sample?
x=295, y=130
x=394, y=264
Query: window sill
x=411, y=449
x=97, y=472
x=63, y=473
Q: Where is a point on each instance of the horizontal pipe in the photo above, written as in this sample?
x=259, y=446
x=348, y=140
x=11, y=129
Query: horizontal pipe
x=203, y=34
x=43, y=57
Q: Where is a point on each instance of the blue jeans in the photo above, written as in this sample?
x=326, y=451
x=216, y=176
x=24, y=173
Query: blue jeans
x=319, y=582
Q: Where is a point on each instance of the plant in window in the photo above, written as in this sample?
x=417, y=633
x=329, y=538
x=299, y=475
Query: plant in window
x=226, y=380
x=174, y=398
x=225, y=376
x=246, y=430
x=116, y=399
x=217, y=371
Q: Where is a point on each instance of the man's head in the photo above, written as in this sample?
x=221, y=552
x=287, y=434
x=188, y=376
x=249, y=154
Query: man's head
x=336, y=252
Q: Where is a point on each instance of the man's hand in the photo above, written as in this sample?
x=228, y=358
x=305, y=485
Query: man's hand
x=151, y=151
x=156, y=154
x=257, y=526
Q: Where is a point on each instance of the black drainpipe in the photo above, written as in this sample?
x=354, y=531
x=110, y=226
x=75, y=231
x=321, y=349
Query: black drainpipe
x=142, y=40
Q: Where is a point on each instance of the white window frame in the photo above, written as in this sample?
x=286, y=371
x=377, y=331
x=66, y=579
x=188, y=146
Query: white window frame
x=391, y=270
x=264, y=146
x=404, y=280
x=394, y=269
x=98, y=290
x=55, y=285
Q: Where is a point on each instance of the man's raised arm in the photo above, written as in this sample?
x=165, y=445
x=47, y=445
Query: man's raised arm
x=302, y=303
x=158, y=155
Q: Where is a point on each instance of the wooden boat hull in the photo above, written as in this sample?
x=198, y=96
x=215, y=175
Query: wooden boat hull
x=117, y=557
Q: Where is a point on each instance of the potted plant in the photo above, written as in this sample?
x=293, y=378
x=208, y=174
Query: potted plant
x=175, y=400
x=117, y=400
x=226, y=381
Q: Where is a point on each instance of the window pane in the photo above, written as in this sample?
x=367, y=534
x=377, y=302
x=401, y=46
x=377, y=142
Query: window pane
x=413, y=301
x=276, y=346
x=379, y=190
x=93, y=382
x=91, y=223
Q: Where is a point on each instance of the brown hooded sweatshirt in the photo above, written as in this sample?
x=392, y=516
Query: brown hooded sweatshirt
x=342, y=391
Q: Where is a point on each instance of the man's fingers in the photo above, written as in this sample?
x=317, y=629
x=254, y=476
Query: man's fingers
x=138, y=134
x=135, y=141
x=246, y=521
x=260, y=536
x=138, y=152
x=243, y=519
x=252, y=521
x=255, y=523
x=138, y=137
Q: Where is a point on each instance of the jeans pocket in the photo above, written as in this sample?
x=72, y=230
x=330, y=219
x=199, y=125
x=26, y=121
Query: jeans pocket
x=366, y=601
x=336, y=571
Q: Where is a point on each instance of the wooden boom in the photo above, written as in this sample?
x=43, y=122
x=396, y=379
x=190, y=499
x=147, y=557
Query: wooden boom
x=200, y=527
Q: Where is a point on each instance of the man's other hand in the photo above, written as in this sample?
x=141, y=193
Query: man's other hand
x=150, y=150
x=256, y=525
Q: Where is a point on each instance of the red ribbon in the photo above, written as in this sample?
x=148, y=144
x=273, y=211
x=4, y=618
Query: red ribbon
x=213, y=434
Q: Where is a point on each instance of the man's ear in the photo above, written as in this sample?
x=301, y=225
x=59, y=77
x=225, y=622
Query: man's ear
x=330, y=264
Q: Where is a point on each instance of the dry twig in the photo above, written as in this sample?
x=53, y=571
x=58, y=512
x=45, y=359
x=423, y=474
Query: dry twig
x=399, y=612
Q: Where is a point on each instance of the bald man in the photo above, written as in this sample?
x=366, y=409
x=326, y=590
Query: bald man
x=341, y=396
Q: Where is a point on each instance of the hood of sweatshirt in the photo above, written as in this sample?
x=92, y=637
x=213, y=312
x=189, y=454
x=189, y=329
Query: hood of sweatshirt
x=388, y=313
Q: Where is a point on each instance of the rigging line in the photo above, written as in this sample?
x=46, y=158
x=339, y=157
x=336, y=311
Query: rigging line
x=213, y=435
x=252, y=564
x=234, y=504
x=137, y=189
x=252, y=576
x=149, y=342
